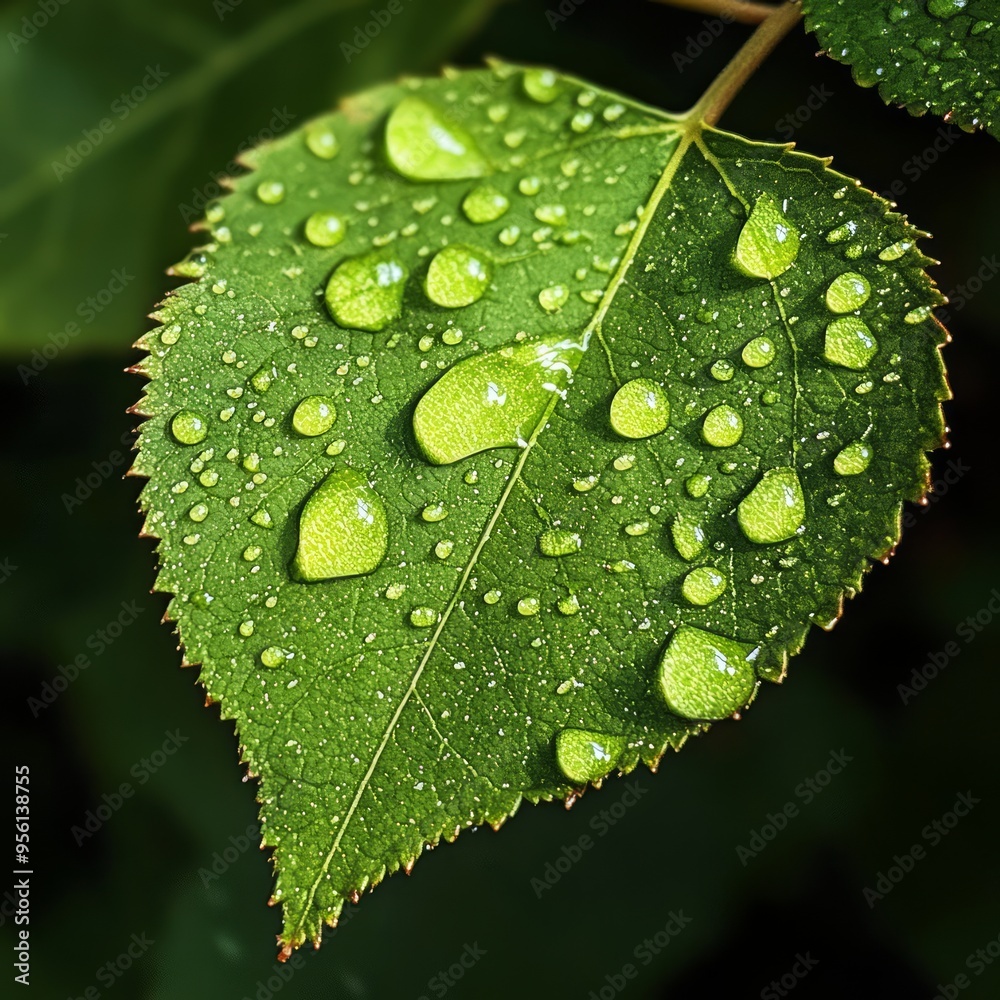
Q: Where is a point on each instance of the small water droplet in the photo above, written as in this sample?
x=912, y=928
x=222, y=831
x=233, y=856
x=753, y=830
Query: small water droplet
x=275, y=656
x=552, y=215
x=444, y=548
x=697, y=485
x=946, y=8
x=458, y=276
x=640, y=409
x=322, y=141
x=423, y=145
x=841, y=233
x=529, y=185
x=581, y=121
x=325, y=229
x=895, y=251
x=492, y=596
x=528, y=606
x=723, y=370
x=471, y=477
x=584, y=755
x=343, y=529
x=919, y=314
x=246, y=628
x=554, y=298
x=188, y=427
x=688, y=536
x=271, y=192
x=624, y=462
x=252, y=552
x=568, y=605
x=484, y=204
x=559, y=542
x=768, y=243
x=198, y=512
x=423, y=617
x=434, y=512
x=774, y=509
x=758, y=353
x=395, y=591
x=849, y=343
x=366, y=292
x=336, y=447
x=853, y=460
x=509, y=235
x=314, y=415
x=541, y=85
x=706, y=676
x=584, y=484
x=703, y=585
x=722, y=427
x=847, y=292
x=637, y=528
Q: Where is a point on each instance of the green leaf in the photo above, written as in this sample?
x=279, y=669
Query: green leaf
x=929, y=55
x=626, y=403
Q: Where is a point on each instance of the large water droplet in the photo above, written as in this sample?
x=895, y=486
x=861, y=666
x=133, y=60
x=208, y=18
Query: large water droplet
x=458, y=276
x=541, y=85
x=584, y=755
x=849, y=343
x=853, y=460
x=314, y=415
x=723, y=370
x=484, y=204
x=758, y=353
x=366, y=292
x=325, y=229
x=424, y=146
x=493, y=400
x=706, y=676
x=640, y=409
x=188, y=427
x=688, y=536
x=847, y=292
x=774, y=509
x=703, y=585
x=768, y=243
x=722, y=427
x=559, y=542
x=343, y=529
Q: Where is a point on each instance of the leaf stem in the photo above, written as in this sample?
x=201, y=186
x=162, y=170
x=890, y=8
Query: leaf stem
x=744, y=11
x=744, y=64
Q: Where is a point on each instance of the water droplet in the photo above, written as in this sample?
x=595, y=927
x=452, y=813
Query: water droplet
x=395, y=591
x=774, y=509
x=847, y=292
x=366, y=292
x=895, y=251
x=198, y=512
x=493, y=400
x=336, y=447
x=262, y=378
x=584, y=755
x=325, y=229
x=271, y=192
x=688, y=536
x=246, y=628
x=554, y=298
x=313, y=416
x=188, y=427
x=584, y=484
x=552, y=215
x=458, y=276
x=853, y=460
x=528, y=606
x=769, y=397
x=697, y=485
x=424, y=146
x=252, y=553
x=423, y=617
x=492, y=596
x=444, y=548
x=706, y=676
x=946, y=8
x=529, y=185
x=262, y=519
x=759, y=353
x=471, y=477
x=434, y=512
x=723, y=370
x=841, y=233
x=541, y=85
x=703, y=585
x=275, y=656
x=484, y=204
x=322, y=141
x=919, y=314
x=637, y=528
x=722, y=427
x=559, y=542
x=581, y=121
x=568, y=605
x=768, y=244
x=640, y=409
x=849, y=343
x=622, y=566
x=343, y=529
x=452, y=337
x=624, y=462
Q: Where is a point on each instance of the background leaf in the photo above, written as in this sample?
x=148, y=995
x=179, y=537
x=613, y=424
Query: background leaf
x=941, y=56
x=453, y=636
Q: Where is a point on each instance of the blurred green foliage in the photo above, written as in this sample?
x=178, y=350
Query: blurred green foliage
x=675, y=849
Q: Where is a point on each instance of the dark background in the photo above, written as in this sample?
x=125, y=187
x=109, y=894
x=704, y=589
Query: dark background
x=673, y=850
